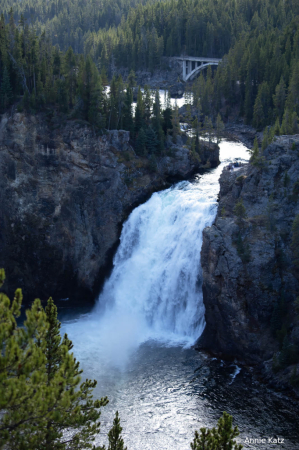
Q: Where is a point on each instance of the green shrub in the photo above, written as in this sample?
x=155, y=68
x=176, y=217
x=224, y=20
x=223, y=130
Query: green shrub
x=240, y=211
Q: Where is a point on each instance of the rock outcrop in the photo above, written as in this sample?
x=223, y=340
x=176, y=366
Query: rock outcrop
x=248, y=264
x=64, y=195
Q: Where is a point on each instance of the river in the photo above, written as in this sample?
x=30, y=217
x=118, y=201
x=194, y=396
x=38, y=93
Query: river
x=137, y=340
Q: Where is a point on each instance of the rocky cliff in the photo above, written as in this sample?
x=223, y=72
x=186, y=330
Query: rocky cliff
x=250, y=282
x=64, y=193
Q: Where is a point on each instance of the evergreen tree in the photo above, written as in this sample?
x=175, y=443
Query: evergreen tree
x=176, y=129
x=127, y=118
x=258, y=113
x=22, y=372
x=219, y=128
x=240, y=211
x=69, y=404
x=139, y=111
x=140, y=145
x=40, y=391
x=220, y=438
x=151, y=140
x=256, y=159
x=287, y=123
x=96, y=108
x=279, y=98
x=131, y=80
x=69, y=71
x=208, y=128
x=167, y=120
x=6, y=94
x=113, y=105
x=148, y=103
x=157, y=123
x=266, y=139
x=116, y=442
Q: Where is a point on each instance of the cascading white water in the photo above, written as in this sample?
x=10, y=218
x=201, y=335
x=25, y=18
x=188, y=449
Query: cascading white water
x=155, y=286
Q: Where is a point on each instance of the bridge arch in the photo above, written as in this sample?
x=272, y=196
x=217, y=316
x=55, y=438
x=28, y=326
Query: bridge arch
x=192, y=65
x=198, y=69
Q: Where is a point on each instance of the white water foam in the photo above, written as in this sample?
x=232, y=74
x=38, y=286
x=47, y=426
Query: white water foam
x=154, y=290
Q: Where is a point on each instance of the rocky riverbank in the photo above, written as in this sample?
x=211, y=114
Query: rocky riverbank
x=65, y=193
x=250, y=282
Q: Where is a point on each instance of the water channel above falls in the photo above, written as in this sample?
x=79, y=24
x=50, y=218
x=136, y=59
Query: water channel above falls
x=137, y=341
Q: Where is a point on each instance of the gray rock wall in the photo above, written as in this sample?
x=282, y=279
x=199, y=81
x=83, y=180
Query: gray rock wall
x=247, y=266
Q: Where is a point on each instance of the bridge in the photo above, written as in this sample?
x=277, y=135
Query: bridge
x=192, y=65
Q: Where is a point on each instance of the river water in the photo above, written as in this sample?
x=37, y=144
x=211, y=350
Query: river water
x=137, y=341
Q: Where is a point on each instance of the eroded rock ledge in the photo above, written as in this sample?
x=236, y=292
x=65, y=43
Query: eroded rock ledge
x=248, y=267
x=64, y=194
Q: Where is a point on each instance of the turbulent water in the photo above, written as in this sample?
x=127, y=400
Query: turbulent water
x=137, y=341
x=155, y=287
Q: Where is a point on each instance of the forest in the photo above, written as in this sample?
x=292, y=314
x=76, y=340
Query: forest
x=45, y=47
x=62, y=53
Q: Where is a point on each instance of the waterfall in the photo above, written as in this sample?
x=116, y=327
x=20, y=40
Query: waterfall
x=154, y=290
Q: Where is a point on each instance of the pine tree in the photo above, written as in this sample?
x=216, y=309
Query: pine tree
x=279, y=98
x=69, y=404
x=148, y=103
x=256, y=159
x=167, y=120
x=157, y=123
x=5, y=90
x=208, y=128
x=22, y=372
x=266, y=139
x=287, y=123
x=151, y=140
x=127, y=118
x=219, y=128
x=220, y=438
x=140, y=145
x=40, y=391
x=116, y=442
x=258, y=113
x=176, y=129
x=131, y=80
x=139, y=111
x=240, y=211
x=276, y=128
x=69, y=71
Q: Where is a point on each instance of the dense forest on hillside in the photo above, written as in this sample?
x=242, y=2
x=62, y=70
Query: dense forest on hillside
x=257, y=39
x=41, y=78
x=259, y=78
x=136, y=33
x=69, y=22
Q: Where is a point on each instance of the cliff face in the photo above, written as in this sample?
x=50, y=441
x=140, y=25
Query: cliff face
x=247, y=264
x=64, y=194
